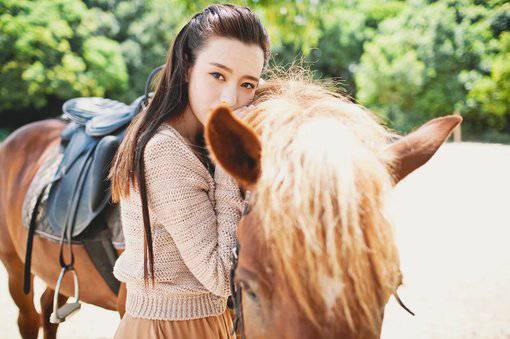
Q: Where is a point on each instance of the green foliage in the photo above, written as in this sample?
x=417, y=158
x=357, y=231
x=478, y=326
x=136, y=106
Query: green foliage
x=409, y=61
x=493, y=91
x=345, y=30
x=144, y=30
x=49, y=50
x=409, y=72
x=488, y=98
x=3, y=134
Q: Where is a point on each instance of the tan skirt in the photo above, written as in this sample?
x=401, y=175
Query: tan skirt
x=219, y=326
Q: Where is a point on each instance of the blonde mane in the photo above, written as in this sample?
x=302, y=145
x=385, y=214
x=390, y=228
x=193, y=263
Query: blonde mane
x=320, y=197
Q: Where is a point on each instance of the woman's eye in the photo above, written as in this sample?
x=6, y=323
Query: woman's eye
x=249, y=85
x=217, y=75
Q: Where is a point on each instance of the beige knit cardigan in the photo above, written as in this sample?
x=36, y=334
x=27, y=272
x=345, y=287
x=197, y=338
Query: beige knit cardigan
x=193, y=218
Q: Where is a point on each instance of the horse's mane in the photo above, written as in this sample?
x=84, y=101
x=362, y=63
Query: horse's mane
x=321, y=195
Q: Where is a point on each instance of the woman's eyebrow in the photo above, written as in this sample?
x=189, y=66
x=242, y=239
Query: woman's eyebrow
x=228, y=69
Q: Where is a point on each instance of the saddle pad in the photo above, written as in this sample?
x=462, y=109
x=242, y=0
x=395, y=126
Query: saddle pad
x=41, y=184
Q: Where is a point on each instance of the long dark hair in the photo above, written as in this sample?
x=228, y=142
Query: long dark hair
x=171, y=97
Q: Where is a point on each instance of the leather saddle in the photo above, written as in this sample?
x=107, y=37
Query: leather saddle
x=80, y=189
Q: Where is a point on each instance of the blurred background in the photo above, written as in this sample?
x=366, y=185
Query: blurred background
x=408, y=61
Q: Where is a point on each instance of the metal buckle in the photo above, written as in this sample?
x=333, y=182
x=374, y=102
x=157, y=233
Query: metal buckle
x=234, y=252
x=246, y=203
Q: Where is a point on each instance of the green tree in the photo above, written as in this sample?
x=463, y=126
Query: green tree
x=344, y=31
x=488, y=100
x=407, y=60
x=410, y=71
x=493, y=91
x=144, y=30
x=50, y=53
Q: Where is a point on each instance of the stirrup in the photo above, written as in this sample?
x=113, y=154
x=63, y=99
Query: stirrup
x=61, y=314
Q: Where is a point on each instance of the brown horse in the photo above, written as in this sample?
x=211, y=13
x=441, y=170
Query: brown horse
x=317, y=258
x=21, y=154
x=317, y=254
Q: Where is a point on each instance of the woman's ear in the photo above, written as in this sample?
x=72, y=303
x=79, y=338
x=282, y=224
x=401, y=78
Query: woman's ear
x=233, y=145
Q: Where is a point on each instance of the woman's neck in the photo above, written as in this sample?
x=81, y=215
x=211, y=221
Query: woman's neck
x=192, y=130
x=188, y=126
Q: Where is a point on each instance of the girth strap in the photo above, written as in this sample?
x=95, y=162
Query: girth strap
x=236, y=294
x=103, y=256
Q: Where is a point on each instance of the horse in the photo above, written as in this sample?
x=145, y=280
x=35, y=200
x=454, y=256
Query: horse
x=21, y=154
x=317, y=255
x=316, y=252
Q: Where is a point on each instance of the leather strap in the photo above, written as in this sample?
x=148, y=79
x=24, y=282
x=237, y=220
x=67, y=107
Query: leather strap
x=103, y=255
x=30, y=240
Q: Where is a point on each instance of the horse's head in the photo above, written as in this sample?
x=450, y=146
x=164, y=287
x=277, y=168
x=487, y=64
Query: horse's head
x=317, y=254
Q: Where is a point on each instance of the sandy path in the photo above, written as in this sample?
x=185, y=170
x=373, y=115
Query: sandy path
x=452, y=220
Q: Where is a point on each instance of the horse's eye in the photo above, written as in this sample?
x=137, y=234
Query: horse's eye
x=246, y=209
x=247, y=289
x=252, y=295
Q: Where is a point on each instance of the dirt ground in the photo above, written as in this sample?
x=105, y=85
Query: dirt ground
x=452, y=223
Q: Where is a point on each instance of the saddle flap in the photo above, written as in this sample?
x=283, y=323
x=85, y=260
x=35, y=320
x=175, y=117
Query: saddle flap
x=79, y=143
x=83, y=189
x=97, y=190
x=65, y=195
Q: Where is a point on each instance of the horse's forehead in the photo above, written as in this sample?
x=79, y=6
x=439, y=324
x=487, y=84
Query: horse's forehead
x=248, y=234
x=253, y=253
x=287, y=316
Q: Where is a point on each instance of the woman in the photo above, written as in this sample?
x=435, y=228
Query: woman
x=178, y=213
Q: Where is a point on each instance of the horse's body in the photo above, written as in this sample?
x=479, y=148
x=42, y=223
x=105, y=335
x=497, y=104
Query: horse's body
x=21, y=154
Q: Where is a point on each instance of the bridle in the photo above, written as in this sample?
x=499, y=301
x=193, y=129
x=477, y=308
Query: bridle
x=236, y=289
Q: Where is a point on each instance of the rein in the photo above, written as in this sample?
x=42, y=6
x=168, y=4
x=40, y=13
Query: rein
x=235, y=289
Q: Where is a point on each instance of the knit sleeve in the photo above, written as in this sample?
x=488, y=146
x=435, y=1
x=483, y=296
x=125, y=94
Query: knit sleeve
x=203, y=230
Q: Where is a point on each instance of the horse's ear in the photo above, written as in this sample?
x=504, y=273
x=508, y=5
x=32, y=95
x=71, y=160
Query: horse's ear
x=233, y=145
x=416, y=148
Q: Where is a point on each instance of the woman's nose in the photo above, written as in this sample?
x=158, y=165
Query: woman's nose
x=229, y=95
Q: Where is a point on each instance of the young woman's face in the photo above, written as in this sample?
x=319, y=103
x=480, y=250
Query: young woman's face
x=224, y=70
